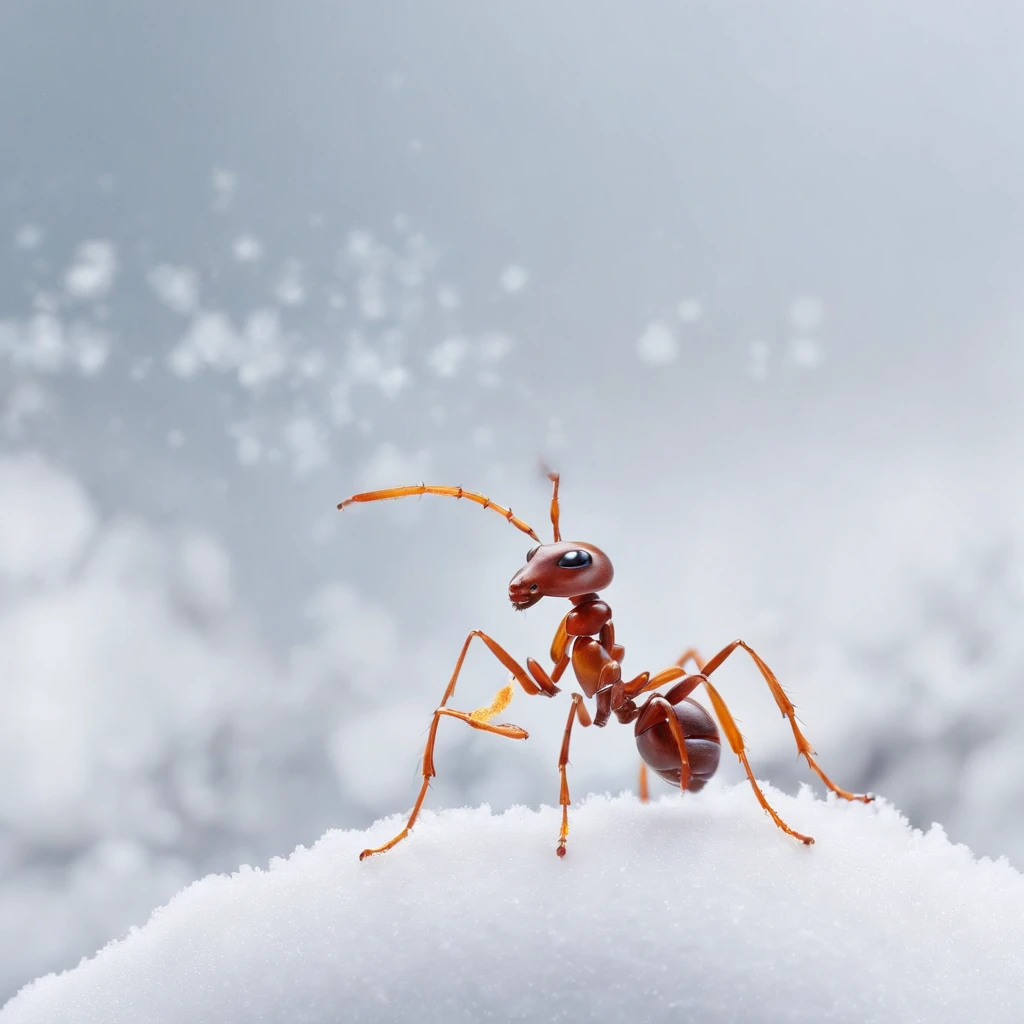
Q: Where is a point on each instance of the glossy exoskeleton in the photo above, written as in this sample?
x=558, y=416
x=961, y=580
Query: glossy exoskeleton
x=675, y=736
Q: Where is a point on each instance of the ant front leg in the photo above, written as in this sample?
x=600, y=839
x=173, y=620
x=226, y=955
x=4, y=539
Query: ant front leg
x=479, y=719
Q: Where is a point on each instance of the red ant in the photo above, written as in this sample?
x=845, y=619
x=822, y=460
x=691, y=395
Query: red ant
x=674, y=734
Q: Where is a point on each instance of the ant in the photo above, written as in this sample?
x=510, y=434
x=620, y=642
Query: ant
x=674, y=734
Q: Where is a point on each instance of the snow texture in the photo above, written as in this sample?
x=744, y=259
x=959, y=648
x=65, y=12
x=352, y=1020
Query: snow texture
x=682, y=910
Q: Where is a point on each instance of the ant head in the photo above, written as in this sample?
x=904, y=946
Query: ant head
x=565, y=569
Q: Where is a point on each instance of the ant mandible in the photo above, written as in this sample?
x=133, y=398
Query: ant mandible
x=675, y=736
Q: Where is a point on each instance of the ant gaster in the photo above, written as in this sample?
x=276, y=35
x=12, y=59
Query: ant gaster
x=675, y=736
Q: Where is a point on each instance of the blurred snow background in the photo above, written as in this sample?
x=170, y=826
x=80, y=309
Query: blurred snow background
x=750, y=277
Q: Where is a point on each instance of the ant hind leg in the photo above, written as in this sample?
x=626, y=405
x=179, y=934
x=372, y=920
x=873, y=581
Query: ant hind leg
x=735, y=738
x=785, y=705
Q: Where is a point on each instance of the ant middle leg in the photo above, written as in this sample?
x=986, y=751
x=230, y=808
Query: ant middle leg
x=679, y=694
x=666, y=729
x=578, y=710
x=690, y=654
x=678, y=740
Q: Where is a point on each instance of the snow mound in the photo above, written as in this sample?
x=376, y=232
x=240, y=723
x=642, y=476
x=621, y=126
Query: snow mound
x=694, y=909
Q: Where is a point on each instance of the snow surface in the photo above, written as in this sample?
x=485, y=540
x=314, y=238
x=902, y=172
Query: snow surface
x=681, y=910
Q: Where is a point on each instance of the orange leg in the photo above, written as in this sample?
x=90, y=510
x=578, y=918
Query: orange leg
x=479, y=719
x=691, y=654
x=732, y=733
x=788, y=711
x=561, y=641
x=534, y=681
x=512, y=731
x=578, y=710
x=785, y=705
x=560, y=667
x=669, y=675
x=544, y=681
x=677, y=732
x=643, y=683
x=734, y=737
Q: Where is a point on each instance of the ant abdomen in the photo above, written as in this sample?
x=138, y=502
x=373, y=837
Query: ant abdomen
x=658, y=746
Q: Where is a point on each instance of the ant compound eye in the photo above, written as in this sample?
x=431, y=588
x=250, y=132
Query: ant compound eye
x=532, y=552
x=575, y=559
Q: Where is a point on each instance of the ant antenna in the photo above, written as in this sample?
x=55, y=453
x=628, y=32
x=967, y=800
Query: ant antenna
x=448, y=492
x=555, y=510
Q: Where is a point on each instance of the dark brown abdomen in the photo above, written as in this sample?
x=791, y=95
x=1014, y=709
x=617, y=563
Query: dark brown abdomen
x=659, y=749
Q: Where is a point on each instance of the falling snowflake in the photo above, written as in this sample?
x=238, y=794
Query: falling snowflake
x=657, y=346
